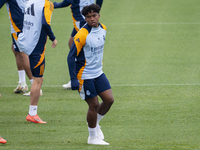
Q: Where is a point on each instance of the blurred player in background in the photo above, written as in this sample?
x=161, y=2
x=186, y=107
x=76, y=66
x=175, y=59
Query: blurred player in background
x=15, y=10
x=85, y=68
x=78, y=18
x=32, y=41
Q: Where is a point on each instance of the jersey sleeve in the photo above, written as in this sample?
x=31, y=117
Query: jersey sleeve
x=99, y=2
x=78, y=44
x=46, y=19
x=2, y=2
x=62, y=4
x=71, y=62
x=80, y=39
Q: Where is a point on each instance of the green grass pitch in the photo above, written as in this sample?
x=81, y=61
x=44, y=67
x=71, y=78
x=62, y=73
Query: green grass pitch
x=151, y=58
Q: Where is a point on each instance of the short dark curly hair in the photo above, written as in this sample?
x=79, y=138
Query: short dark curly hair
x=90, y=8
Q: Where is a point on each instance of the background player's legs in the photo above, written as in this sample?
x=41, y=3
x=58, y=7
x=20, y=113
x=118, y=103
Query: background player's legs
x=22, y=87
x=17, y=57
x=26, y=64
x=68, y=85
x=71, y=40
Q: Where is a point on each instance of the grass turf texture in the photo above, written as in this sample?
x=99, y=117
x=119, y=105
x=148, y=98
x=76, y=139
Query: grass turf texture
x=151, y=59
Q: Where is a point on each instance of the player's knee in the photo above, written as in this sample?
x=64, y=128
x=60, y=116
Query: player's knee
x=41, y=80
x=111, y=100
x=24, y=57
x=38, y=80
x=94, y=106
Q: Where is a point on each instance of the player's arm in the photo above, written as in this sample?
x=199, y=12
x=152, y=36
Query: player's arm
x=2, y=2
x=46, y=19
x=99, y=2
x=62, y=4
x=72, y=67
x=79, y=42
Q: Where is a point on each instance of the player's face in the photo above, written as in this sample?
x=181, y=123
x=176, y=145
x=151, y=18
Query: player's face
x=92, y=19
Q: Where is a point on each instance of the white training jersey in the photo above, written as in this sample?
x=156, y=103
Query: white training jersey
x=36, y=26
x=88, y=51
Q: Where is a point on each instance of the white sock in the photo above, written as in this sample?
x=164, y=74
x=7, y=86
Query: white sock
x=22, y=76
x=92, y=132
x=31, y=80
x=32, y=110
x=99, y=117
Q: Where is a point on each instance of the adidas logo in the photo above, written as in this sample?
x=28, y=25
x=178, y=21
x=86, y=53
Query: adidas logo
x=78, y=40
x=30, y=10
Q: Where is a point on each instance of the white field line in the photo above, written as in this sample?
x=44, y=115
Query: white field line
x=155, y=23
x=116, y=85
x=129, y=23
x=197, y=84
x=143, y=23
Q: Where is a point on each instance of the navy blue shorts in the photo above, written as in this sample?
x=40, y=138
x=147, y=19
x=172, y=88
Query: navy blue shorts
x=92, y=87
x=37, y=64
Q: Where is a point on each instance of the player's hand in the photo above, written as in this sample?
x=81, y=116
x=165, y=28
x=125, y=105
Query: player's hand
x=55, y=4
x=74, y=84
x=54, y=43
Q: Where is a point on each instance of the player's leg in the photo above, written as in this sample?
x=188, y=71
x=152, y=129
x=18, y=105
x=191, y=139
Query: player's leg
x=37, y=65
x=35, y=94
x=107, y=101
x=103, y=88
x=93, y=104
x=88, y=92
x=25, y=60
x=71, y=40
x=93, y=138
x=17, y=58
x=26, y=65
x=22, y=86
x=35, y=90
